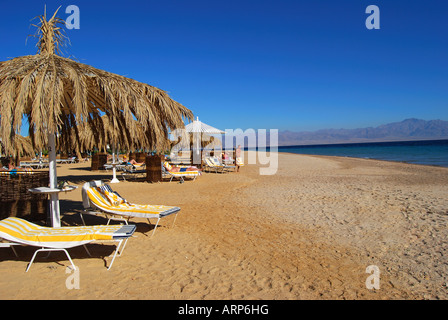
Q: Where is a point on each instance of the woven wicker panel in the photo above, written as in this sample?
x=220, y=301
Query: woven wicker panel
x=16, y=200
x=98, y=161
x=154, y=168
x=14, y=186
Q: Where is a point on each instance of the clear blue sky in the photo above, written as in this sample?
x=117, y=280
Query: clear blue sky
x=296, y=65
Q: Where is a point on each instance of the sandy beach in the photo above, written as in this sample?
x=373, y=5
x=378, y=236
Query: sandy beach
x=307, y=232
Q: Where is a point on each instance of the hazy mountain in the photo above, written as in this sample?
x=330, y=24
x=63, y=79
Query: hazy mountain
x=409, y=129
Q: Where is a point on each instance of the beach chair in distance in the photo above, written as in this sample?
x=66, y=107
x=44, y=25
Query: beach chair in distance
x=210, y=165
x=216, y=161
x=118, y=167
x=99, y=199
x=239, y=162
x=132, y=171
x=22, y=232
x=213, y=163
x=181, y=175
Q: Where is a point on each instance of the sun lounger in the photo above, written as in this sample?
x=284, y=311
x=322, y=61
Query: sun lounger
x=68, y=160
x=181, y=175
x=132, y=171
x=20, y=231
x=9, y=245
x=209, y=165
x=99, y=199
x=212, y=163
x=118, y=167
x=217, y=162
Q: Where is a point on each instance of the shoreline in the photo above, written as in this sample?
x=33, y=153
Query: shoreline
x=350, y=157
x=308, y=232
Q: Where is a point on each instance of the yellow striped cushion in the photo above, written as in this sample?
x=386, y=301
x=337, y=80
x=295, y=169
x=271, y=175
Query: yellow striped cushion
x=114, y=199
x=185, y=173
x=100, y=201
x=15, y=172
x=167, y=166
x=239, y=161
x=216, y=161
x=101, y=194
x=22, y=231
x=179, y=173
x=141, y=208
x=209, y=162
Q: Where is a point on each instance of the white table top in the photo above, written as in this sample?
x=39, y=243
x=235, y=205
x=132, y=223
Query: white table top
x=52, y=190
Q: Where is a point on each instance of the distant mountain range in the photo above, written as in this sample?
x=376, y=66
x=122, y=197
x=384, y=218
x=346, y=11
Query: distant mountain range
x=409, y=129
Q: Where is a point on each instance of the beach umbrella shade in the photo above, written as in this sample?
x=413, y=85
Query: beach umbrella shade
x=57, y=96
x=87, y=137
x=200, y=127
x=22, y=147
x=187, y=142
x=199, y=130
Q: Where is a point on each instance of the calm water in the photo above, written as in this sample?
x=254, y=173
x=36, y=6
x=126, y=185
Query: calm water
x=434, y=152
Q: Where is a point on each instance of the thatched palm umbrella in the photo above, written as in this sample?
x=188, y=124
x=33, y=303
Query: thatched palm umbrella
x=198, y=129
x=58, y=95
x=88, y=138
x=187, y=142
x=196, y=137
x=22, y=147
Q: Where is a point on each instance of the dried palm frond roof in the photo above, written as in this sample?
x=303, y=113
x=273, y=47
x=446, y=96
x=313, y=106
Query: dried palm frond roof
x=22, y=146
x=188, y=141
x=88, y=139
x=58, y=95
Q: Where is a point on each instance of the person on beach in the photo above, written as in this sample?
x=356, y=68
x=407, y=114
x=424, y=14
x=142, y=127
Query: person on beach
x=135, y=163
x=179, y=169
x=174, y=168
x=238, y=159
x=225, y=157
x=10, y=167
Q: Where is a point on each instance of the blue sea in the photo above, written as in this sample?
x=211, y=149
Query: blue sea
x=434, y=152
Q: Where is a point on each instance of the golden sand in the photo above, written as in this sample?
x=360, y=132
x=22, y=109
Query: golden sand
x=308, y=232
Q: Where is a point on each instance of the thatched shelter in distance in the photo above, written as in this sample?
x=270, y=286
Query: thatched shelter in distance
x=60, y=97
x=22, y=147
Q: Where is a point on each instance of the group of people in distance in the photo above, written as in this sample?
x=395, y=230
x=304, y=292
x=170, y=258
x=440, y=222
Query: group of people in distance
x=8, y=166
x=224, y=156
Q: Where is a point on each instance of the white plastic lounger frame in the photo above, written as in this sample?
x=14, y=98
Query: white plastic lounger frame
x=181, y=175
x=218, y=163
x=95, y=203
x=210, y=164
x=21, y=232
x=9, y=245
x=133, y=172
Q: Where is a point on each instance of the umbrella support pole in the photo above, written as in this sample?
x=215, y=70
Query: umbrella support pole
x=55, y=215
x=114, y=169
x=114, y=178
